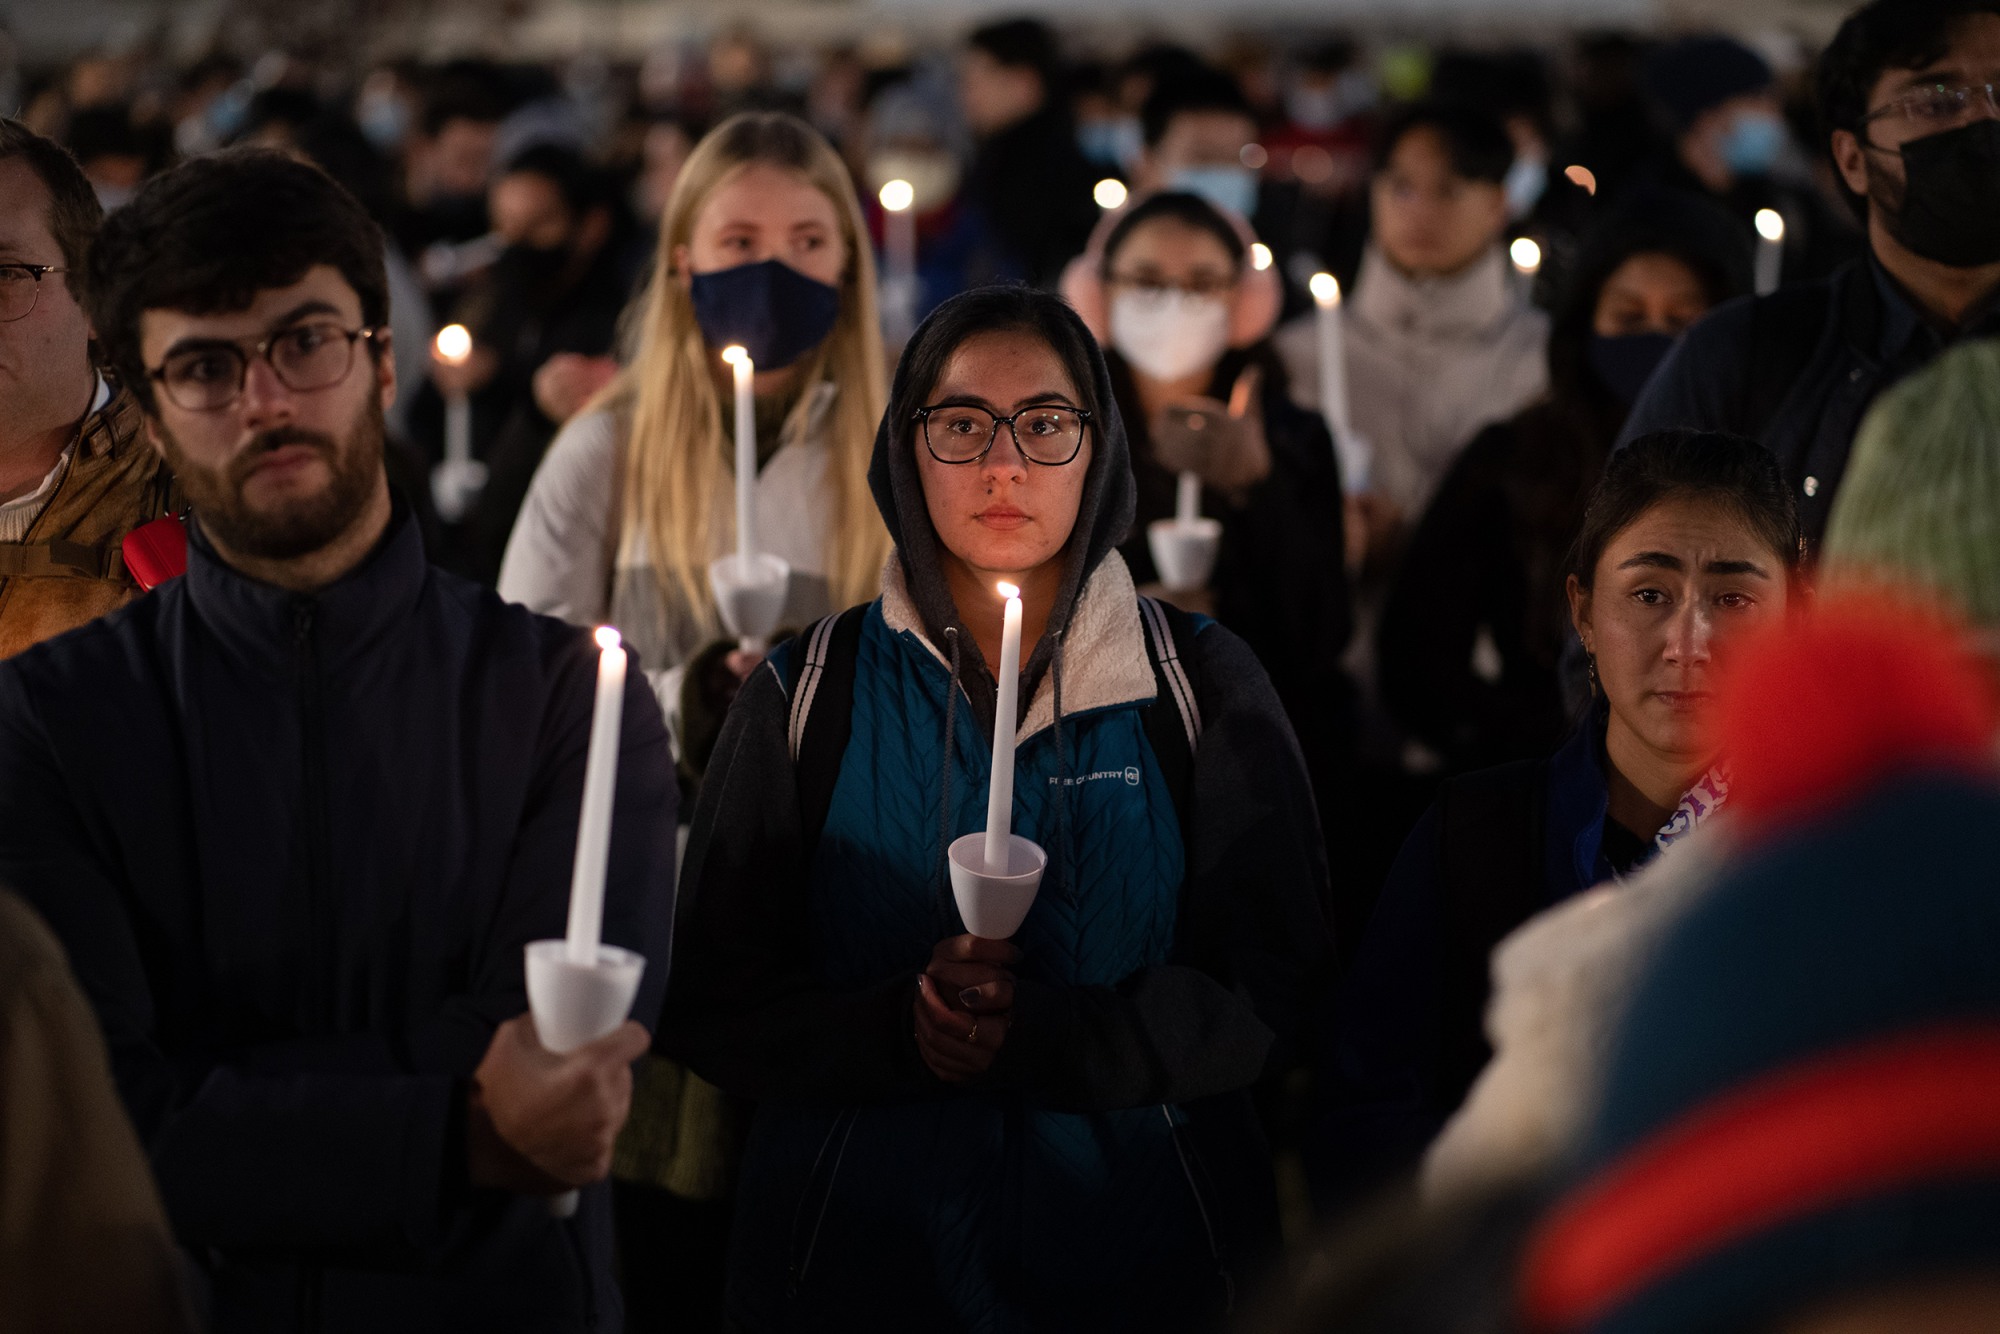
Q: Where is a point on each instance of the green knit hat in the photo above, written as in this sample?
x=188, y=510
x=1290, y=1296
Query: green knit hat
x=1920, y=502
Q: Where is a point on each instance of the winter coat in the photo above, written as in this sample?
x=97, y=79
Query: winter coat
x=1430, y=362
x=1108, y=1171
x=1797, y=371
x=1407, y=1042
x=68, y=568
x=294, y=846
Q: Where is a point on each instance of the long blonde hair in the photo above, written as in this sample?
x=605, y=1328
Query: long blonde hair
x=674, y=456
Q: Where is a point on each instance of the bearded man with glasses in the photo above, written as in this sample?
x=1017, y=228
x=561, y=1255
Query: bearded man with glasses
x=295, y=815
x=74, y=476
x=1907, y=95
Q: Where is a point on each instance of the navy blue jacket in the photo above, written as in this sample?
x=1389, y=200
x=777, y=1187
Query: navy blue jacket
x=1392, y=1075
x=1797, y=371
x=294, y=847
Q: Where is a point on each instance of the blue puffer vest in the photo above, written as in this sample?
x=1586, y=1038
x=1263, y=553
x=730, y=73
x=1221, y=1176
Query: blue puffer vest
x=980, y=1211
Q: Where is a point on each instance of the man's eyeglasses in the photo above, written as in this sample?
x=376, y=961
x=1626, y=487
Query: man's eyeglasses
x=964, y=432
x=208, y=376
x=21, y=287
x=1941, y=107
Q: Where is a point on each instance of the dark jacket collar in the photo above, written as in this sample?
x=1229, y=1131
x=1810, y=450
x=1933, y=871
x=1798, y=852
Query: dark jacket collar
x=264, y=624
x=1903, y=332
x=1579, y=796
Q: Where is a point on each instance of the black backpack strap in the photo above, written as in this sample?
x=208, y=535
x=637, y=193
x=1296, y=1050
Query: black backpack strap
x=821, y=686
x=1491, y=852
x=1173, y=719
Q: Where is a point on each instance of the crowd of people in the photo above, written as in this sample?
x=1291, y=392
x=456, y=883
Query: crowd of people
x=1533, y=874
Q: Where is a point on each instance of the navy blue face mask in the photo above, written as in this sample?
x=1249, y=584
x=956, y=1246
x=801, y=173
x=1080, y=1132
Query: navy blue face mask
x=1624, y=364
x=775, y=312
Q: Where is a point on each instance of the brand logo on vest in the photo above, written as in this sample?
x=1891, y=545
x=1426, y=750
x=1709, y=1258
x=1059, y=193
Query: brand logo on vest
x=1130, y=773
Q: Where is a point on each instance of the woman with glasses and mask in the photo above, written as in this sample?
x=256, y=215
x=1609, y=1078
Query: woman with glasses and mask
x=762, y=245
x=1053, y=1131
x=1172, y=290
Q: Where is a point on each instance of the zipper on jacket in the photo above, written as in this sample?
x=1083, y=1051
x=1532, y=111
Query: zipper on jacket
x=314, y=816
x=804, y=1262
x=1181, y=1151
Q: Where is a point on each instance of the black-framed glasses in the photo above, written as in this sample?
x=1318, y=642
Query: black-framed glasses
x=208, y=376
x=1942, y=106
x=21, y=287
x=965, y=432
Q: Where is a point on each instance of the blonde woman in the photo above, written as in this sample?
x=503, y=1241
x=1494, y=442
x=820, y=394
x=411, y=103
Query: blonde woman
x=762, y=244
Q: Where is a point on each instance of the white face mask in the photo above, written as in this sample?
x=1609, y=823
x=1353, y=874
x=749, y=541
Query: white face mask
x=1166, y=335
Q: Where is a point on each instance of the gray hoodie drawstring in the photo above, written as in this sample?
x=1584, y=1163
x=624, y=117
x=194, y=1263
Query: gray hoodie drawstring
x=944, y=796
x=1062, y=777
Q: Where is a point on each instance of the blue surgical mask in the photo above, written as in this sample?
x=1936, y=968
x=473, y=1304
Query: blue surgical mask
x=1527, y=181
x=1624, y=364
x=775, y=312
x=1232, y=188
x=1752, y=143
x=1117, y=144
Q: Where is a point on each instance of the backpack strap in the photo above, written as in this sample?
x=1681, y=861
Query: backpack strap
x=1173, y=719
x=1491, y=851
x=819, y=671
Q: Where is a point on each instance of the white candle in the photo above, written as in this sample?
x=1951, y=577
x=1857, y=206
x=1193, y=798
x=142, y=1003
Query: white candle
x=1353, y=455
x=1000, y=793
x=1187, y=498
x=600, y=783
x=901, y=228
x=746, y=454
x=1770, y=250
x=454, y=348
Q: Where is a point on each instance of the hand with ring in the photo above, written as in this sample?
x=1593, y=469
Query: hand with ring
x=963, y=1005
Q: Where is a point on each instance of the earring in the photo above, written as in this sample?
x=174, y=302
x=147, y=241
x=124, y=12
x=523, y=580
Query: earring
x=1592, y=660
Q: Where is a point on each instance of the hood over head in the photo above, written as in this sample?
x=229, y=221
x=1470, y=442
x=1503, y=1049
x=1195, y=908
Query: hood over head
x=1109, y=498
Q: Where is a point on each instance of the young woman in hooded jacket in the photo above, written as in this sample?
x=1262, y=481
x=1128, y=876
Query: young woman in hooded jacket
x=1050, y=1132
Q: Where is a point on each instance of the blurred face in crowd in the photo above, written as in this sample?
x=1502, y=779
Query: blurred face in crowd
x=1430, y=221
x=278, y=473
x=45, y=354
x=1171, y=283
x=1871, y=162
x=1649, y=293
x=1740, y=137
x=528, y=210
x=764, y=212
x=664, y=152
x=994, y=96
x=1672, y=590
x=461, y=157
x=1002, y=516
x=1196, y=139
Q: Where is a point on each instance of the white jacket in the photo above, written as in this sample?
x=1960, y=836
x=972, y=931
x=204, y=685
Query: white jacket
x=1430, y=363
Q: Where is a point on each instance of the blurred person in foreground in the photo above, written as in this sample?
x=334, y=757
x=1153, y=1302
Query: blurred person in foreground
x=75, y=477
x=1475, y=627
x=1689, y=543
x=295, y=815
x=1908, y=92
x=1800, y=1118
x=84, y=1244
x=1916, y=519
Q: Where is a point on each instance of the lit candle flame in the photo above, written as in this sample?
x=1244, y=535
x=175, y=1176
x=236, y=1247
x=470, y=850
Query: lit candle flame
x=1325, y=289
x=1110, y=193
x=607, y=638
x=1260, y=256
x=454, y=343
x=898, y=195
x=1008, y=590
x=1527, y=255
x=1582, y=177
x=734, y=355
x=1770, y=224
